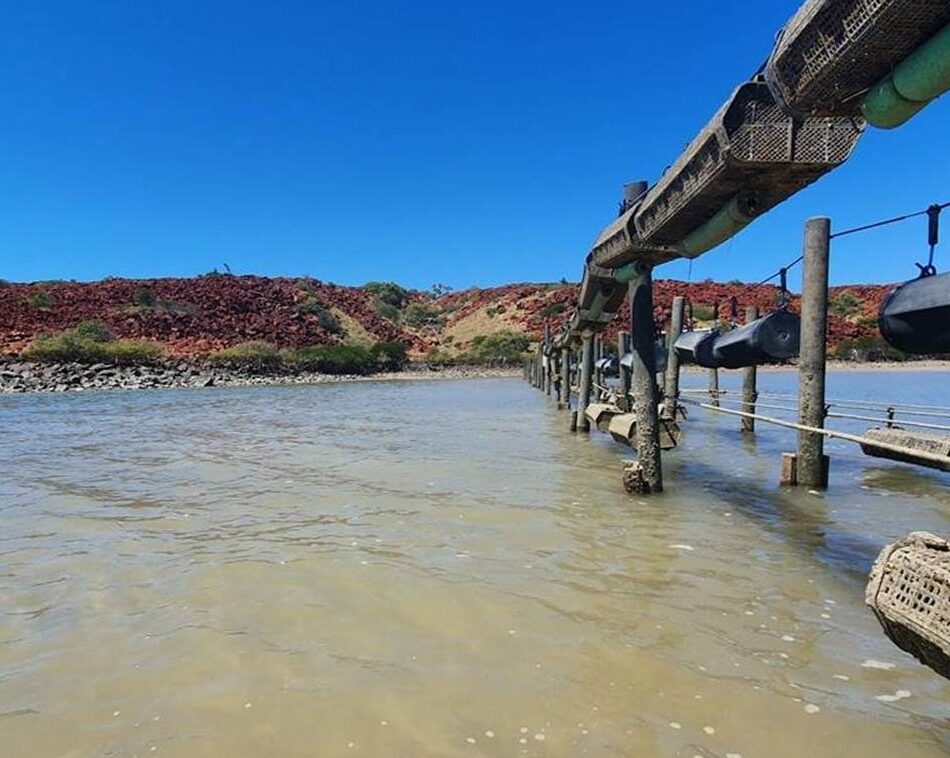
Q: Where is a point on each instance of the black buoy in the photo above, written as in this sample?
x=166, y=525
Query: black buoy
x=697, y=347
x=662, y=357
x=773, y=337
x=915, y=317
x=607, y=365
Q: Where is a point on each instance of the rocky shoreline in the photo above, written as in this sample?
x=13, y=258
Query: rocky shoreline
x=29, y=376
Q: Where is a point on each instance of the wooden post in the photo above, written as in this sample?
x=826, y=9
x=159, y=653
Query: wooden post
x=587, y=368
x=672, y=389
x=644, y=380
x=812, y=468
x=546, y=352
x=566, y=377
x=749, y=395
x=714, y=387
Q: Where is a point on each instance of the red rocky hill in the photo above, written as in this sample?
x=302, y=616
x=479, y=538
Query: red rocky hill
x=197, y=315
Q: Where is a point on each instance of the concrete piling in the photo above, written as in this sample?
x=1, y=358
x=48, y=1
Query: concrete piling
x=671, y=390
x=811, y=464
x=565, y=396
x=546, y=353
x=645, y=392
x=714, y=387
x=749, y=375
x=623, y=339
x=587, y=369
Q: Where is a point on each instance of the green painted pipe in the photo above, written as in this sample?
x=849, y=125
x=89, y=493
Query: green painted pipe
x=730, y=219
x=918, y=79
x=625, y=273
x=884, y=107
x=925, y=73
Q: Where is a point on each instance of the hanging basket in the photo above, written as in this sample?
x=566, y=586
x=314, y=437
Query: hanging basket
x=909, y=591
x=832, y=51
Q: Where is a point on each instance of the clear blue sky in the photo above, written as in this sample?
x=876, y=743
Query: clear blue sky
x=461, y=142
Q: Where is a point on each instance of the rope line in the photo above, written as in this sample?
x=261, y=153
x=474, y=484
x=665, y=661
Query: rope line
x=848, y=416
x=920, y=454
x=888, y=221
x=908, y=409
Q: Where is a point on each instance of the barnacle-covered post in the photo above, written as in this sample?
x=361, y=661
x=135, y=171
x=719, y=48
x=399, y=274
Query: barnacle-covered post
x=714, y=372
x=547, y=359
x=565, y=399
x=749, y=375
x=671, y=389
x=587, y=370
x=623, y=339
x=644, y=379
x=812, y=463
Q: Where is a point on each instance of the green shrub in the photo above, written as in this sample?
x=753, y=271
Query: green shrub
x=143, y=297
x=388, y=292
x=704, y=312
x=127, y=352
x=552, y=309
x=871, y=348
x=95, y=331
x=91, y=342
x=257, y=356
x=845, y=304
x=422, y=314
x=390, y=356
x=437, y=356
x=41, y=300
x=499, y=349
x=313, y=306
x=333, y=359
x=386, y=310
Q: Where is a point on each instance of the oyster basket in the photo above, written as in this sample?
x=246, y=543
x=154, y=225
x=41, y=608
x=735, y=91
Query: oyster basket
x=831, y=51
x=909, y=592
x=751, y=145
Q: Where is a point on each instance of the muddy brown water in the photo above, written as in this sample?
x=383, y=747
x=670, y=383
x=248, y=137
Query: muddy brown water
x=441, y=569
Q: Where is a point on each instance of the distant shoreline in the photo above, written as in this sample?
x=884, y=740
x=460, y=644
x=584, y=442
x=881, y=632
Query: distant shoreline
x=20, y=377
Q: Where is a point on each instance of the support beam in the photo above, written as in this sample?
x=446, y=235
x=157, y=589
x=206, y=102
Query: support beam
x=811, y=469
x=644, y=380
x=671, y=390
x=749, y=376
x=587, y=369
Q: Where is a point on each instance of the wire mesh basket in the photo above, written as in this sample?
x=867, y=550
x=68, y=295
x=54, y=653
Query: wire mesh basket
x=831, y=51
x=751, y=144
x=909, y=592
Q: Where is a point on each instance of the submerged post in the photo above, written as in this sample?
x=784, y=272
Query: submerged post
x=587, y=368
x=714, y=372
x=650, y=475
x=565, y=397
x=749, y=395
x=812, y=465
x=672, y=389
